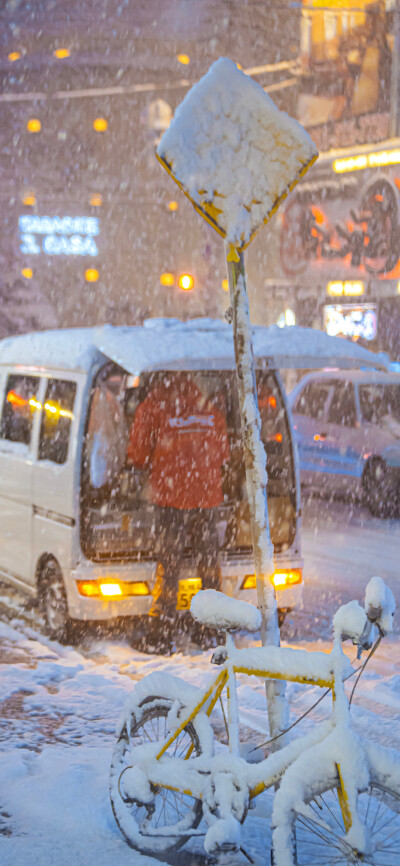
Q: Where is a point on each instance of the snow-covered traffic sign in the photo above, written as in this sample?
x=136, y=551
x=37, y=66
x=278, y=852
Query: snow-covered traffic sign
x=234, y=154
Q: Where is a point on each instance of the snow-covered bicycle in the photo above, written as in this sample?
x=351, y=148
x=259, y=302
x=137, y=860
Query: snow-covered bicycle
x=338, y=795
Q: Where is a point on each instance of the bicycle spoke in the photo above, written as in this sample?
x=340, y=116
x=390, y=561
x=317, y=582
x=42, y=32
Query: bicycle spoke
x=332, y=813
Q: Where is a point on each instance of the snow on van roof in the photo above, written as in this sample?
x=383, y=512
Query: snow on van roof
x=170, y=343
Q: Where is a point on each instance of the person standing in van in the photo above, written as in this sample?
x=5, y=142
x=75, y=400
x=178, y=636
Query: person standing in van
x=180, y=437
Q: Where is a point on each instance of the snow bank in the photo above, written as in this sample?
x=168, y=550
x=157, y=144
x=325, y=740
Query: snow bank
x=230, y=145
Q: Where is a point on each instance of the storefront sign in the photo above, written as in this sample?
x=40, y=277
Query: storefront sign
x=351, y=321
x=57, y=236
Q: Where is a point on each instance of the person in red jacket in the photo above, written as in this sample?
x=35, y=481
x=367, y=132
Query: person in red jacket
x=180, y=437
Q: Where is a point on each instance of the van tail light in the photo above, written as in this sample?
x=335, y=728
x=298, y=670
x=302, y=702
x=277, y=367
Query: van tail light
x=112, y=588
x=281, y=579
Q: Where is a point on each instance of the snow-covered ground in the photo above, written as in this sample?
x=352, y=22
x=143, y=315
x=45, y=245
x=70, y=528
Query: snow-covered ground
x=59, y=705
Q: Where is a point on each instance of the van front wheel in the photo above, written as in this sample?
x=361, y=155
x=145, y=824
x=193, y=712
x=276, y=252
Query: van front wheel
x=54, y=602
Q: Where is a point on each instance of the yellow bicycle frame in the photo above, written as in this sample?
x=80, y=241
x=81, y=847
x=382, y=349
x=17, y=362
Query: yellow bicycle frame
x=212, y=695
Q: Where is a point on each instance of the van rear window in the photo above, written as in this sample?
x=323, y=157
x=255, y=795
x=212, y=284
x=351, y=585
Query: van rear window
x=19, y=407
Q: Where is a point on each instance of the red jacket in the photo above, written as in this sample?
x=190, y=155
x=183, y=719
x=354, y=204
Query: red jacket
x=183, y=440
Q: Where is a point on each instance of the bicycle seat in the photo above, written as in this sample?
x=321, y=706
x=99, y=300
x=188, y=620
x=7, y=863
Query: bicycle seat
x=219, y=611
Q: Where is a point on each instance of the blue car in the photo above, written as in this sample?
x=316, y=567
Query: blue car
x=347, y=429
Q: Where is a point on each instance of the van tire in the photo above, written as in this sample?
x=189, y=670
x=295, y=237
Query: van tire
x=53, y=601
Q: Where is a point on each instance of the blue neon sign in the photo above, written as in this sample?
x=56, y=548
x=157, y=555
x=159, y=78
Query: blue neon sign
x=58, y=236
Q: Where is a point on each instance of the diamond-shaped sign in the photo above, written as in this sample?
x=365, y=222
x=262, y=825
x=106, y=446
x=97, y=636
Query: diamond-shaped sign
x=234, y=153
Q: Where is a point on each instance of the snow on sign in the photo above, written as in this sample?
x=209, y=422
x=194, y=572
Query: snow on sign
x=233, y=153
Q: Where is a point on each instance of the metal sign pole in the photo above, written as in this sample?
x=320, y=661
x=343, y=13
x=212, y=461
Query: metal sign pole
x=256, y=477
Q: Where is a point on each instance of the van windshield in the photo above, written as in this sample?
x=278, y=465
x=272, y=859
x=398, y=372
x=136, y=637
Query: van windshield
x=118, y=495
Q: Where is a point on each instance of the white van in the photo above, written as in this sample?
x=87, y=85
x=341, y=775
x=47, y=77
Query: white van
x=76, y=529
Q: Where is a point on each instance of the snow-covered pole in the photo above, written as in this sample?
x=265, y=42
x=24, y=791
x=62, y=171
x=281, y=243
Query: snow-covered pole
x=256, y=476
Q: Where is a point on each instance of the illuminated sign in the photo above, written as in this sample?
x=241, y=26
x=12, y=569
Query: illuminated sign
x=58, y=236
x=351, y=321
x=345, y=287
x=367, y=160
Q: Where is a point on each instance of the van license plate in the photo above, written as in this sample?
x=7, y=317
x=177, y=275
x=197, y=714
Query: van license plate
x=187, y=589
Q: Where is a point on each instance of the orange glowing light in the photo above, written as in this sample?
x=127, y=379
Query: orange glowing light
x=318, y=215
x=100, y=124
x=14, y=55
x=96, y=200
x=173, y=206
x=110, y=589
x=16, y=399
x=27, y=273
x=33, y=124
x=280, y=579
x=91, y=275
x=167, y=279
x=61, y=53
x=29, y=199
x=183, y=58
x=225, y=285
x=186, y=282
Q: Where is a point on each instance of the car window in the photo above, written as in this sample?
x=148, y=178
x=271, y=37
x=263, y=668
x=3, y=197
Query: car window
x=57, y=415
x=343, y=406
x=379, y=401
x=312, y=399
x=19, y=407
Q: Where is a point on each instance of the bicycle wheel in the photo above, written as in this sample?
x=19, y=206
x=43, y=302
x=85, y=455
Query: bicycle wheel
x=167, y=824
x=320, y=840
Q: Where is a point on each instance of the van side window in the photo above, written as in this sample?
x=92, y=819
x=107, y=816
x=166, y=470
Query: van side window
x=57, y=415
x=19, y=407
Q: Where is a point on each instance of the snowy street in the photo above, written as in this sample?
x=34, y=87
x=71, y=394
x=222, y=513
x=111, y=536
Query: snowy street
x=59, y=705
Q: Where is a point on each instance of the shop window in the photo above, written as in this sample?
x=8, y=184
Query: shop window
x=57, y=416
x=19, y=407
